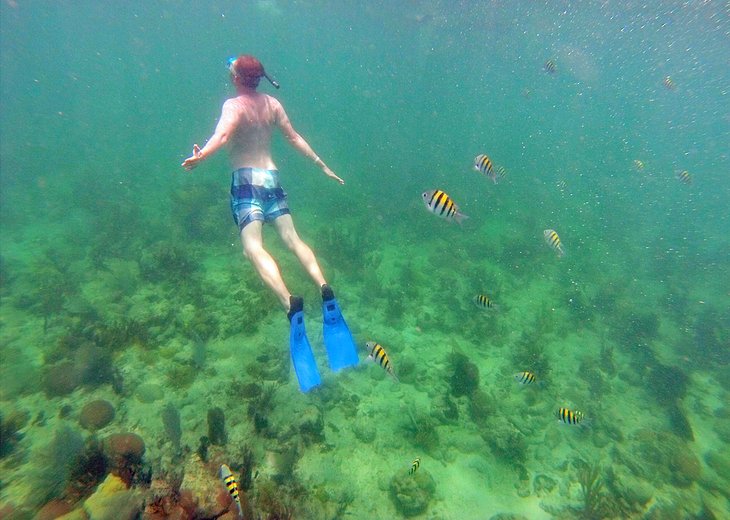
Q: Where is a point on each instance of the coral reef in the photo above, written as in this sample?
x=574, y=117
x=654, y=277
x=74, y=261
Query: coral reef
x=124, y=452
x=506, y=441
x=96, y=414
x=411, y=494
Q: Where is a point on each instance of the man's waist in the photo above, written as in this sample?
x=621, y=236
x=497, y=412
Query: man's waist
x=256, y=177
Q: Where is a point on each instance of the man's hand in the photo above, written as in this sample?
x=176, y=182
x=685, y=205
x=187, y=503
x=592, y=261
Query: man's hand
x=194, y=160
x=331, y=174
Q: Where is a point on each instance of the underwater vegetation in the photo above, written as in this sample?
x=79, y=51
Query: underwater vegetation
x=711, y=338
x=217, y=427
x=171, y=423
x=421, y=430
x=197, y=213
x=529, y=349
x=464, y=379
x=591, y=486
x=168, y=261
x=10, y=427
x=44, y=286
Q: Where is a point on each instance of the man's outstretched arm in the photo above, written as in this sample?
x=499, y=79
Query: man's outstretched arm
x=226, y=125
x=299, y=143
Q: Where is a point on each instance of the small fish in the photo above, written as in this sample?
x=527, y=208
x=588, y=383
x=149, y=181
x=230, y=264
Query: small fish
x=685, y=177
x=501, y=171
x=638, y=165
x=378, y=354
x=525, y=378
x=440, y=204
x=553, y=240
x=669, y=83
x=568, y=416
x=561, y=184
x=415, y=465
x=550, y=66
x=484, y=302
x=231, y=484
x=482, y=163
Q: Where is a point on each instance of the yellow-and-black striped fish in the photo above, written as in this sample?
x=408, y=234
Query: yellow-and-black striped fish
x=377, y=353
x=568, y=416
x=553, y=240
x=561, y=184
x=482, y=163
x=550, y=66
x=638, y=165
x=440, y=204
x=525, y=378
x=483, y=302
x=231, y=485
x=501, y=171
x=685, y=177
x=415, y=465
x=669, y=83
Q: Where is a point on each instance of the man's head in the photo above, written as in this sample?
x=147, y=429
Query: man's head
x=246, y=71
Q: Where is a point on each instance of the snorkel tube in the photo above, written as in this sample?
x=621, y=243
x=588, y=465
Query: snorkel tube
x=232, y=60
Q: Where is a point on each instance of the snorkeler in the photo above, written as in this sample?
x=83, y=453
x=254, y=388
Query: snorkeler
x=245, y=127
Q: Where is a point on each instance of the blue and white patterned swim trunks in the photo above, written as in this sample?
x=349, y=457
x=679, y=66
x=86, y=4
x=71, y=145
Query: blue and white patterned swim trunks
x=256, y=195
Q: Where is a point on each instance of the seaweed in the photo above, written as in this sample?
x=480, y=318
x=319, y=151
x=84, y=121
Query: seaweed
x=422, y=432
x=464, y=378
x=60, y=456
x=10, y=431
x=181, y=375
x=529, y=351
x=591, y=485
x=260, y=407
x=171, y=422
x=168, y=261
x=46, y=286
x=217, y=427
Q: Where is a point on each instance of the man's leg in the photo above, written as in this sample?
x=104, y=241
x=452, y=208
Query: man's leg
x=263, y=262
x=285, y=227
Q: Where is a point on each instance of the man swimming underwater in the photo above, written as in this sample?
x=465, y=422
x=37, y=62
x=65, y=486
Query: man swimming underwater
x=245, y=127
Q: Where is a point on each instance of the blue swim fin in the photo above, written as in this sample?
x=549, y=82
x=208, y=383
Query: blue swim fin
x=301, y=354
x=341, y=349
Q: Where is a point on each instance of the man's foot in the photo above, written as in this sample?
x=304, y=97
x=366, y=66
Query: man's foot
x=327, y=293
x=301, y=352
x=338, y=340
x=296, y=304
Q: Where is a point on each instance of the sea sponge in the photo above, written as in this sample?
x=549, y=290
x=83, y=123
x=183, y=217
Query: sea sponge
x=686, y=468
x=60, y=379
x=121, y=448
x=96, y=414
x=411, y=494
x=53, y=509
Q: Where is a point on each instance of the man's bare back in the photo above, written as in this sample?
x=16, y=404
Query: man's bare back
x=254, y=116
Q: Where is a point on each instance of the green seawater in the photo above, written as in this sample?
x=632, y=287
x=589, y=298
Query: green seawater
x=122, y=278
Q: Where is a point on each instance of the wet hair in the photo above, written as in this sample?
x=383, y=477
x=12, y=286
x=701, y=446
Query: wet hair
x=247, y=71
